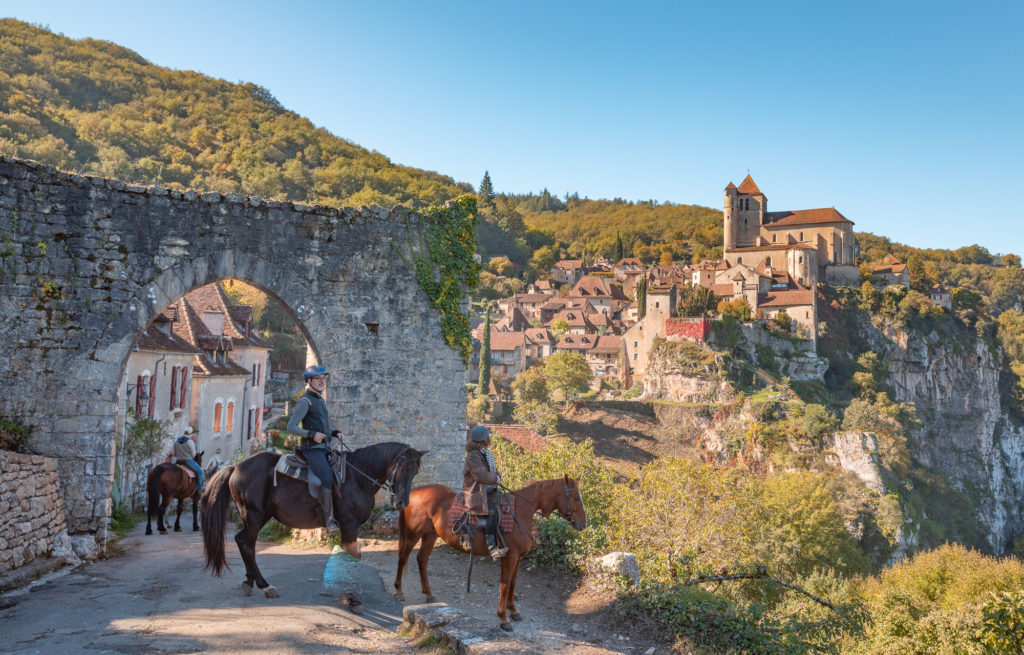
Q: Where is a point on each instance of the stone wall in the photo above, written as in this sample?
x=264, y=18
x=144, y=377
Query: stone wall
x=86, y=263
x=31, y=510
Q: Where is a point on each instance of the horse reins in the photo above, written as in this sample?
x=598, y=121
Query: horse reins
x=388, y=483
x=564, y=515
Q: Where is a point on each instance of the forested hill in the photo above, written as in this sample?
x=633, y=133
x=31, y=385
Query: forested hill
x=98, y=108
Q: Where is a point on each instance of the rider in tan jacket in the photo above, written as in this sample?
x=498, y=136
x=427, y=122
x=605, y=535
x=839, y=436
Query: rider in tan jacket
x=480, y=478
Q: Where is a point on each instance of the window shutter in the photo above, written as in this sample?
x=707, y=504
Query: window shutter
x=231, y=417
x=184, y=384
x=216, y=418
x=152, y=393
x=174, y=386
x=140, y=384
x=259, y=374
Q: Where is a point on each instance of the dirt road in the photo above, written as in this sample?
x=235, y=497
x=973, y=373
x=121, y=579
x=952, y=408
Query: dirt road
x=156, y=599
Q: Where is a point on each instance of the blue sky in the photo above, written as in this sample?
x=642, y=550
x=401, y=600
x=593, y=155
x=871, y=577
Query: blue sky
x=904, y=116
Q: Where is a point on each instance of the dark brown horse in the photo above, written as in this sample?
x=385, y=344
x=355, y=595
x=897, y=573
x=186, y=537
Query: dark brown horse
x=251, y=485
x=166, y=482
x=426, y=518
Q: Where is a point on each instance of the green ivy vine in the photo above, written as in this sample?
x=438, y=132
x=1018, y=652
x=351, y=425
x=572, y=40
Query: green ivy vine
x=445, y=267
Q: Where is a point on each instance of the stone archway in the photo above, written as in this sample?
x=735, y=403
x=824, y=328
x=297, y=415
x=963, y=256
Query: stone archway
x=85, y=264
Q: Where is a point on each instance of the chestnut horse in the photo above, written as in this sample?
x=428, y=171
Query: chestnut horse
x=426, y=518
x=260, y=495
x=166, y=482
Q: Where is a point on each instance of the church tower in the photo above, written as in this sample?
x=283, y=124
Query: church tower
x=744, y=211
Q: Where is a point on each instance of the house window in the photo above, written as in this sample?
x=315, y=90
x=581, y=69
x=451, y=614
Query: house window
x=767, y=261
x=216, y=418
x=636, y=356
x=231, y=417
x=800, y=259
x=636, y=344
x=657, y=304
x=739, y=260
x=775, y=238
x=801, y=236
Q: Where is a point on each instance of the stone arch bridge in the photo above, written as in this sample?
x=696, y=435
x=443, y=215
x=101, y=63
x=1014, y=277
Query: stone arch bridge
x=86, y=263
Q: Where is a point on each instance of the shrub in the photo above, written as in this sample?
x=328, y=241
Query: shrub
x=13, y=435
x=818, y=421
x=478, y=409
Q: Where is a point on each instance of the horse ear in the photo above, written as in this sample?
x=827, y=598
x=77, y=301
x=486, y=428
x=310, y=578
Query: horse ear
x=422, y=452
x=568, y=479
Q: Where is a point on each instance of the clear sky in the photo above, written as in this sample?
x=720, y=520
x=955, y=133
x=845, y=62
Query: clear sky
x=905, y=116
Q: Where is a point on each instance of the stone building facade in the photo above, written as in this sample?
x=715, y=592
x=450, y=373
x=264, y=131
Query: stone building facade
x=812, y=245
x=114, y=255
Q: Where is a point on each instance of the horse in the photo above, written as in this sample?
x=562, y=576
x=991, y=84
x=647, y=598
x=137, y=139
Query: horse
x=166, y=482
x=259, y=496
x=426, y=518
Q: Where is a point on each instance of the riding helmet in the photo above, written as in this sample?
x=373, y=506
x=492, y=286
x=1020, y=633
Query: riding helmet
x=313, y=371
x=480, y=433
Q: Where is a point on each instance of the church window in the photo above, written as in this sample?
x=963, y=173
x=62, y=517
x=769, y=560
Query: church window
x=800, y=259
x=775, y=237
x=767, y=261
x=739, y=260
x=801, y=236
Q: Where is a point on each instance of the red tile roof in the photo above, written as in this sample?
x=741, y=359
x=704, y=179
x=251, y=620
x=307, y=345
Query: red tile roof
x=731, y=186
x=723, y=290
x=540, y=336
x=608, y=344
x=569, y=264
x=894, y=269
x=153, y=338
x=507, y=340
x=804, y=217
x=748, y=186
x=788, y=298
x=577, y=342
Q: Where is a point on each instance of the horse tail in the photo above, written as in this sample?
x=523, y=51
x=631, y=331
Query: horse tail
x=214, y=510
x=153, y=492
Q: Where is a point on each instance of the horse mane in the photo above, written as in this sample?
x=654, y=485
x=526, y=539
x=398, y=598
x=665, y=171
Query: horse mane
x=377, y=456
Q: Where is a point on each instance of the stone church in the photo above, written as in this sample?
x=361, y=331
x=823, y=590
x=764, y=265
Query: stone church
x=812, y=245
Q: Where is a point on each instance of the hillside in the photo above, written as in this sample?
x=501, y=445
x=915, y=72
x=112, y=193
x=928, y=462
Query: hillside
x=98, y=108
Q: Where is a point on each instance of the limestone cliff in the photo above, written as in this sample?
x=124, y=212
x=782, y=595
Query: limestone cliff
x=967, y=434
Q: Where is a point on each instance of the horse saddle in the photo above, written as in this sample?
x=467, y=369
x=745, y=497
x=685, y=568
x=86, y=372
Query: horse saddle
x=463, y=523
x=189, y=472
x=293, y=465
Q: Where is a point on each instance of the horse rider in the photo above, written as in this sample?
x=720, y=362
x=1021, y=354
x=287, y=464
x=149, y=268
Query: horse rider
x=184, y=452
x=310, y=421
x=480, y=478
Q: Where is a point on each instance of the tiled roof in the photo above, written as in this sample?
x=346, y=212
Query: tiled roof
x=507, y=340
x=748, y=186
x=938, y=290
x=731, y=186
x=210, y=298
x=531, y=298
x=723, y=290
x=153, y=338
x=574, y=317
x=577, y=342
x=608, y=344
x=774, y=247
x=191, y=328
x=569, y=264
x=540, y=336
x=628, y=261
x=804, y=217
x=786, y=298
x=894, y=269
x=520, y=435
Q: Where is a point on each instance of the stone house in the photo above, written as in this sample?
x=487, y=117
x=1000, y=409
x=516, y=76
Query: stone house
x=229, y=374
x=811, y=244
x=567, y=271
x=892, y=271
x=704, y=273
x=578, y=320
x=601, y=293
x=542, y=287
x=540, y=344
x=940, y=296
x=638, y=340
x=797, y=303
x=510, y=353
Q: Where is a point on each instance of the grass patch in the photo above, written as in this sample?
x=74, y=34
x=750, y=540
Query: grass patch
x=122, y=521
x=274, y=530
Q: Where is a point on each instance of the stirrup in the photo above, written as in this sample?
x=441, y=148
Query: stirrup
x=496, y=551
x=331, y=528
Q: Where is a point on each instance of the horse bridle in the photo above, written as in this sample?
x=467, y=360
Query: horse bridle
x=567, y=515
x=389, y=483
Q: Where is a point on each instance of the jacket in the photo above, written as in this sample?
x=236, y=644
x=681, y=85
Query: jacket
x=184, y=449
x=476, y=477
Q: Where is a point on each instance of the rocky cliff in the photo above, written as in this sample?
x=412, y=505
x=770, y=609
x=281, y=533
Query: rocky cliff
x=966, y=432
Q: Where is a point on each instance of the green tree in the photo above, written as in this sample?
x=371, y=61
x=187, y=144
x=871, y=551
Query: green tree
x=641, y=297
x=738, y=307
x=1011, y=260
x=485, y=356
x=696, y=301
x=964, y=298
x=559, y=327
x=665, y=259
x=486, y=193
x=818, y=421
x=568, y=372
x=533, y=407
x=619, y=250
x=500, y=266
x=541, y=262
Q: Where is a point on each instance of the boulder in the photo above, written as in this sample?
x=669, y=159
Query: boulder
x=85, y=546
x=62, y=549
x=623, y=564
x=386, y=524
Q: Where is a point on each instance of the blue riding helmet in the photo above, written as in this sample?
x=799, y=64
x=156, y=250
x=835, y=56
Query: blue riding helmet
x=313, y=371
x=480, y=433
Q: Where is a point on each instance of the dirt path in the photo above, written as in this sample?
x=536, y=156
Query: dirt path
x=560, y=615
x=156, y=599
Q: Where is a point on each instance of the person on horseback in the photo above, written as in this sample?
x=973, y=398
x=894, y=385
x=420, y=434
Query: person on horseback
x=184, y=452
x=480, y=480
x=310, y=421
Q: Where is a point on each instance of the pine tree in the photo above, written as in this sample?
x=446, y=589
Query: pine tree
x=641, y=297
x=618, y=247
x=486, y=190
x=485, y=357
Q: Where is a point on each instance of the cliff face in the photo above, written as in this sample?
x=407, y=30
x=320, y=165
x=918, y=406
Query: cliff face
x=966, y=433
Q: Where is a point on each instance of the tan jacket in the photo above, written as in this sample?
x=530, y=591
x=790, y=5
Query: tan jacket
x=476, y=477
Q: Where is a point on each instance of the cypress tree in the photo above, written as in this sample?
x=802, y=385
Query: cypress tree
x=486, y=190
x=641, y=297
x=618, y=247
x=485, y=357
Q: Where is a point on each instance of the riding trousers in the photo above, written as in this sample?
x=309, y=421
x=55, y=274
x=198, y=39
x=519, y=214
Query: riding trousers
x=492, y=510
x=191, y=463
x=317, y=460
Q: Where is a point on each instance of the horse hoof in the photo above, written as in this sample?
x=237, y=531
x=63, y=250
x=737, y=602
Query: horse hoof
x=271, y=592
x=246, y=589
x=177, y=529
x=149, y=532
x=431, y=599
x=399, y=596
x=516, y=616
x=507, y=627
x=163, y=531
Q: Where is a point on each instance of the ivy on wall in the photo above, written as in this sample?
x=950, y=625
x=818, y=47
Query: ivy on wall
x=445, y=267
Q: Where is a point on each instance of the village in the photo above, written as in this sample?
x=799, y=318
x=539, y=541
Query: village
x=612, y=313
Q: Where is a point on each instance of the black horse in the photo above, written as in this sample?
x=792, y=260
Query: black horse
x=251, y=485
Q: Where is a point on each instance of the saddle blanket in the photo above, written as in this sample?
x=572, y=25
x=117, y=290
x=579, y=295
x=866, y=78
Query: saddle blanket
x=189, y=472
x=293, y=467
x=507, y=504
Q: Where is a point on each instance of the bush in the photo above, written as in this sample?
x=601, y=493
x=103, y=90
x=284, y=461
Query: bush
x=818, y=421
x=13, y=435
x=478, y=409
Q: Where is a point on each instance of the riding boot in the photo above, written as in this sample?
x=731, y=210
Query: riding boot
x=327, y=505
x=496, y=551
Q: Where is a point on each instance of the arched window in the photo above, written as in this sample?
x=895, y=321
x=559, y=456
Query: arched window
x=767, y=261
x=739, y=260
x=216, y=417
x=775, y=237
x=231, y=417
x=801, y=236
